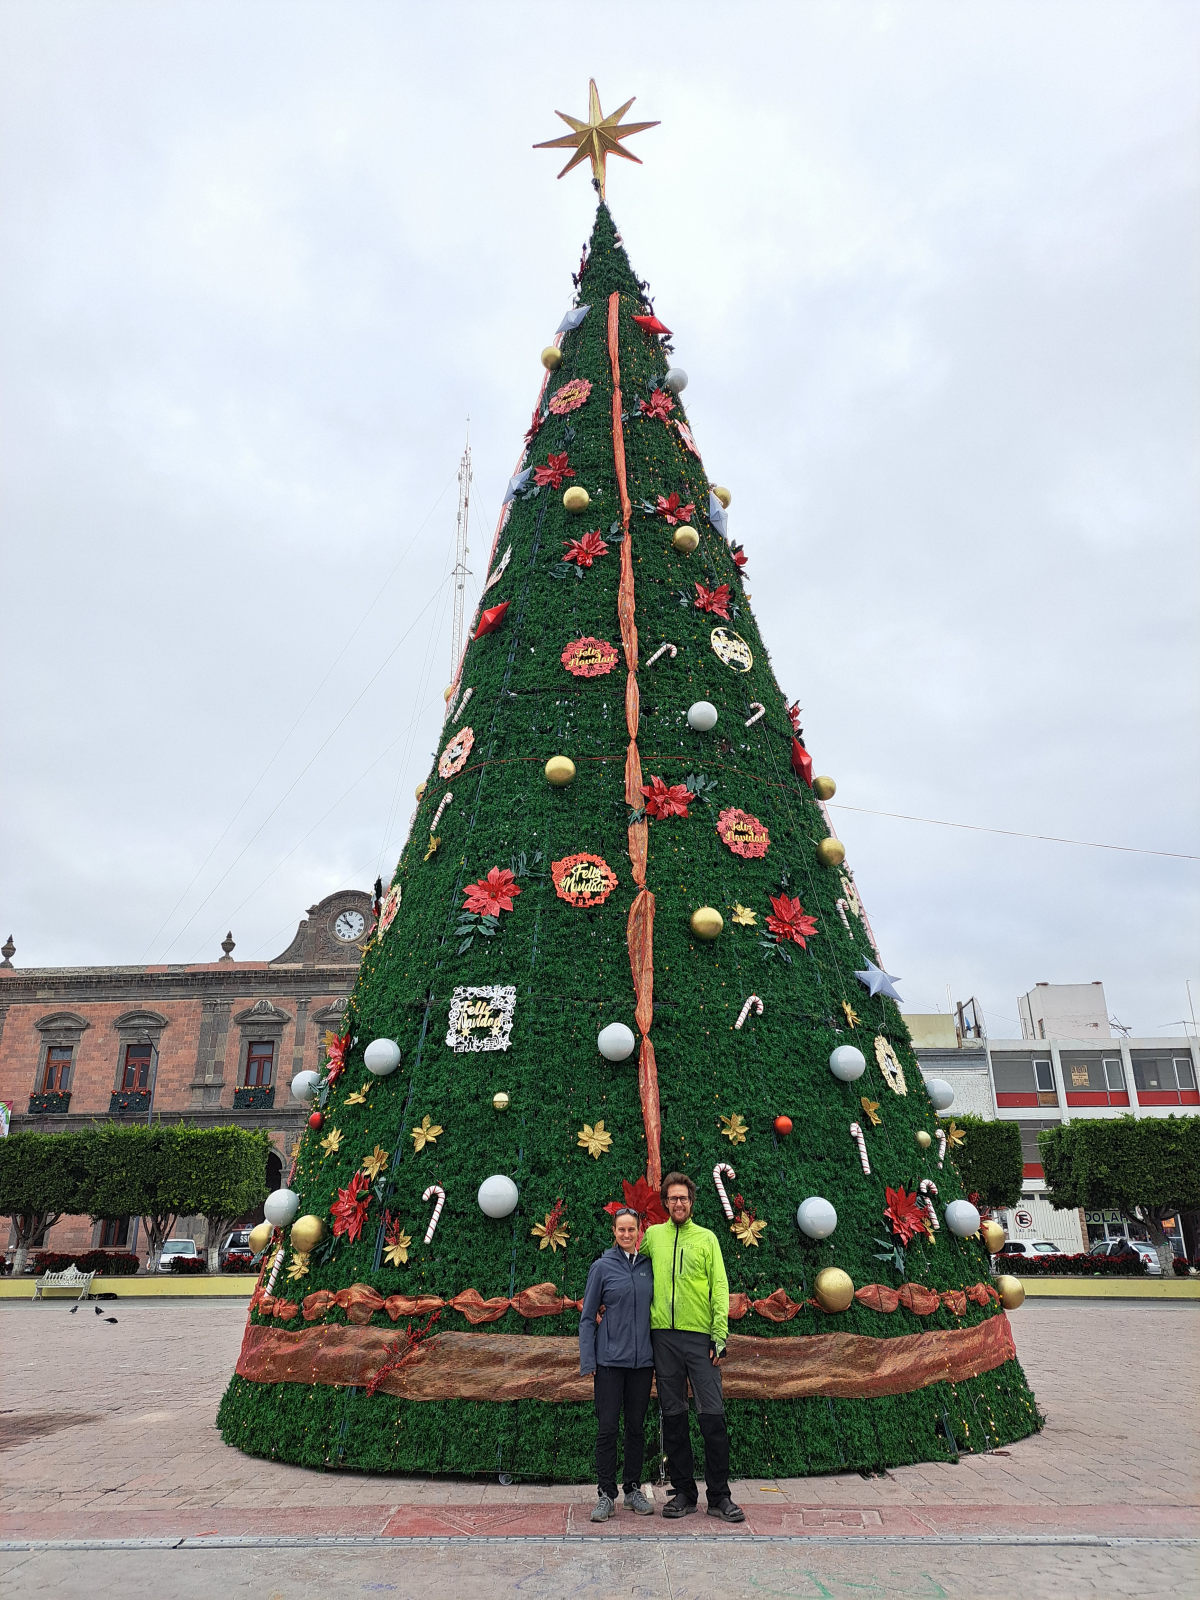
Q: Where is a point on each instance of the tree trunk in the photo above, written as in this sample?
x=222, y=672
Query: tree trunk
x=157, y=1230
x=217, y=1227
x=19, y=1255
x=1162, y=1245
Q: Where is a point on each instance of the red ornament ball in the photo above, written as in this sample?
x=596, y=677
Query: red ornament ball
x=316, y=1120
x=783, y=1125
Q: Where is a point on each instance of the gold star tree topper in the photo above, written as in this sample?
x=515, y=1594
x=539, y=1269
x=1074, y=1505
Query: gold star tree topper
x=597, y=138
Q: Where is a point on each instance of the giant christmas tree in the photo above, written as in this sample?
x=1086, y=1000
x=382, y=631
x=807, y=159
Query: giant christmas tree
x=620, y=939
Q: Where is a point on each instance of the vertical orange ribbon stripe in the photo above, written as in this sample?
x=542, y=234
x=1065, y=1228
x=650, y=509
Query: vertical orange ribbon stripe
x=640, y=928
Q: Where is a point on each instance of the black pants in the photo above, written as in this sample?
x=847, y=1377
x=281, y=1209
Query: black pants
x=680, y=1358
x=620, y=1389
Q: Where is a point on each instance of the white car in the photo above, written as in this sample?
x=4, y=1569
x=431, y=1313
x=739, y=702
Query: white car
x=176, y=1250
x=1027, y=1248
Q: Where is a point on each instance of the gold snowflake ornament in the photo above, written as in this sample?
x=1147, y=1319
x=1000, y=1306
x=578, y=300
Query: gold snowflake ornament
x=744, y=917
x=396, y=1248
x=427, y=1133
x=332, y=1142
x=374, y=1164
x=734, y=1128
x=552, y=1233
x=747, y=1229
x=595, y=1140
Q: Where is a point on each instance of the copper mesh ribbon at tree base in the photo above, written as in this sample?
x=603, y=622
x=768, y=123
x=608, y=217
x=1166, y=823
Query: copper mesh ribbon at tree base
x=501, y=1366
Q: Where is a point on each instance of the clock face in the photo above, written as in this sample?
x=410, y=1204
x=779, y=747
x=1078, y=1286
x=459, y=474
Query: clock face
x=350, y=926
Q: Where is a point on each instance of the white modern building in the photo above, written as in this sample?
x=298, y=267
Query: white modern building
x=1068, y=1064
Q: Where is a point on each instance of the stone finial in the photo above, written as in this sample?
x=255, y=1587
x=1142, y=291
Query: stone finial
x=8, y=950
x=228, y=944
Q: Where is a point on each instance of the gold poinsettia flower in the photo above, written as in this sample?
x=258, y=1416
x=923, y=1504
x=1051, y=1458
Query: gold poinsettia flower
x=746, y=1229
x=744, y=917
x=426, y=1134
x=359, y=1097
x=851, y=1014
x=433, y=844
x=595, y=1140
x=332, y=1142
x=871, y=1109
x=955, y=1135
x=396, y=1247
x=374, y=1164
x=298, y=1265
x=735, y=1128
x=552, y=1232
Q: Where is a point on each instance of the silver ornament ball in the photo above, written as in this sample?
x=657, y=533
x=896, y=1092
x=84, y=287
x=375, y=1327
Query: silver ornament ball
x=940, y=1092
x=816, y=1217
x=616, y=1042
x=702, y=716
x=304, y=1086
x=961, y=1218
x=381, y=1057
x=280, y=1207
x=847, y=1063
x=497, y=1196
x=676, y=380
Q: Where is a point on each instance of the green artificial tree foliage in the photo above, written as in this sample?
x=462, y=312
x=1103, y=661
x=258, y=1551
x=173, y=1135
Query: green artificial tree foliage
x=42, y=1178
x=1147, y=1168
x=223, y=1176
x=522, y=930
x=140, y=1171
x=989, y=1161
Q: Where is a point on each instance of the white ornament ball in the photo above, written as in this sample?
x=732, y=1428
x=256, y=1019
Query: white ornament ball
x=616, y=1042
x=702, y=716
x=847, y=1063
x=497, y=1196
x=304, y=1086
x=940, y=1092
x=381, y=1057
x=675, y=380
x=816, y=1217
x=961, y=1218
x=280, y=1207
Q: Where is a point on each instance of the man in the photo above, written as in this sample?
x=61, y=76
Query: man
x=689, y=1323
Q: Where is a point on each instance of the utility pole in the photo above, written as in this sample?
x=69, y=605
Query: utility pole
x=461, y=571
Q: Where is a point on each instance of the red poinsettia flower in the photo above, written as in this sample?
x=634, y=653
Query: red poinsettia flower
x=714, y=600
x=669, y=508
x=740, y=557
x=584, y=551
x=790, y=920
x=667, y=800
x=492, y=894
x=349, y=1210
x=336, y=1046
x=660, y=404
x=794, y=715
x=643, y=1199
x=553, y=473
x=906, y=1214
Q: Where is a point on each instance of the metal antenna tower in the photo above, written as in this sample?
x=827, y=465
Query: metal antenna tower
x=461, y=571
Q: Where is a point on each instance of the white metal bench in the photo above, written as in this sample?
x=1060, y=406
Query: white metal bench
x=72, y=1278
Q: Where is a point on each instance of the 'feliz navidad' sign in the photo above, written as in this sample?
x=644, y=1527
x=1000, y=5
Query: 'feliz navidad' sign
x=583, y=880
x=745, y=835
x=481, y=1018
x=589, y=658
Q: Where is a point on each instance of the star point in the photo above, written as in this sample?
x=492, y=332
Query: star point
x=597, y=138
x=877, y=981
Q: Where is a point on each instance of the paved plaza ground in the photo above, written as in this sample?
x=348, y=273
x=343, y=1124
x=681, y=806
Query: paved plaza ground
x=116, y=1482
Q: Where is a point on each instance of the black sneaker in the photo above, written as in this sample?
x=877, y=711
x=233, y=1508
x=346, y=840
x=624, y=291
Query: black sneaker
x=679, y=1506
x=726, y=1510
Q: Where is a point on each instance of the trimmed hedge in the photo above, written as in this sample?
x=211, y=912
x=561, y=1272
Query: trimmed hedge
x=112, y=1263
x=989, y=1160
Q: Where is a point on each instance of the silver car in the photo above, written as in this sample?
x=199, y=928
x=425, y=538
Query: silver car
x=1130, y=1247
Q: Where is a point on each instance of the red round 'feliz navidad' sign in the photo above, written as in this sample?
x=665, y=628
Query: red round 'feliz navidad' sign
x=745, y=835
x=583, y=880
x=589, y=658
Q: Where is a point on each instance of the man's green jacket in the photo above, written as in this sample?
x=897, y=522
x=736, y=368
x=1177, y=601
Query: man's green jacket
x=691, y=1291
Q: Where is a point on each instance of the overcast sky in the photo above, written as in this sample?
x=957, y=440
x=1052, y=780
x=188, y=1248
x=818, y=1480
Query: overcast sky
x=932, y=269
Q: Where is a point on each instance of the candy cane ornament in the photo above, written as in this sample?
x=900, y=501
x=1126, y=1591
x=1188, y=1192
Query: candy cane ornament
x=841, y=909
x=434, y=1188
x=928, y=1187
x=466, y=697
x=752, y=1004
x=856, y=1134
x=758, y=709
x=941, y=1139
x=724, y=1167
x=447, y=799
x=275, y=1269
x=673, y=649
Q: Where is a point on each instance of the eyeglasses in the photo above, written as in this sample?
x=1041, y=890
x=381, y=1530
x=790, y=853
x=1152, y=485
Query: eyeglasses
x=679, y=1199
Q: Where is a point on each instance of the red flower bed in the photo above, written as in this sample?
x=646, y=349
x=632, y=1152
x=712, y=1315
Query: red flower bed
x=1078, y=1266
x=113, y=1263
x=189, y=1264
x=238, y=1261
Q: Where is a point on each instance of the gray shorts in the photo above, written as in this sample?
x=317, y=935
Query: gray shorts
x=680, y=1359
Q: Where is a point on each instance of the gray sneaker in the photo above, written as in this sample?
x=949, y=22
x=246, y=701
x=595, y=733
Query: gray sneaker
x=603, y=1509
x=636, y=1501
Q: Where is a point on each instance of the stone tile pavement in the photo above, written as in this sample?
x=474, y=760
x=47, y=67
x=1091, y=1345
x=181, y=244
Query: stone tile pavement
x=107, y=1433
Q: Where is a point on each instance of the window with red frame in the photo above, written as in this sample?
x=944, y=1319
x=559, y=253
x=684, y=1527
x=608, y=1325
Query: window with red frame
x=260, y=1057
x=114, y=1234
x=135, y=1074
x=57, y=1074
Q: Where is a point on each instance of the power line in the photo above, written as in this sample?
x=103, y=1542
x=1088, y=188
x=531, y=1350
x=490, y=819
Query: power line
x=1012, y=833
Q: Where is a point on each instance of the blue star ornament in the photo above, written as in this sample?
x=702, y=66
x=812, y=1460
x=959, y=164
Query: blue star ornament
x=572, y=319
x=515, y=484
x=718, y=516
x=876, y=981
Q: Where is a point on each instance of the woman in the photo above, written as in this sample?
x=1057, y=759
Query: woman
x=618, y=1351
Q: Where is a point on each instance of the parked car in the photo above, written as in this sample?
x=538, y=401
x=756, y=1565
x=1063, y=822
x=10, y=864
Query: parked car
x=174, y=1249
x=1116, y=1248
x=236, y=1243
x=1026, y=1247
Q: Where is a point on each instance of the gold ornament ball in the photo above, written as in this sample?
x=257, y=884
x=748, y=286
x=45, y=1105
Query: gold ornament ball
x=707, y=922
x=722, y=494
x=559, y=770
x=307, y=1233
x=552, y=358
x=260, y=1237
x=831, y=852
x=419, y=791
x=685, y=539
x=924, y=1139
x=834, y=1289
x=993, y=1236
x=1011, y=1291
x=447, y=692
x=576, y=499
x=500, y=1101
x=824, y=788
